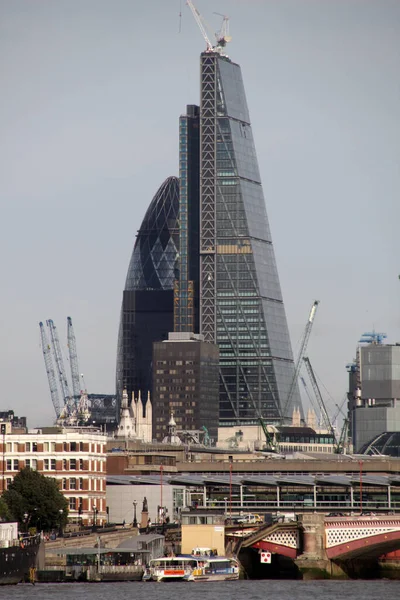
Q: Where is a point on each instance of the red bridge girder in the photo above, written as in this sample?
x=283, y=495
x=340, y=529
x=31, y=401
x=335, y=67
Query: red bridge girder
x=373, y=546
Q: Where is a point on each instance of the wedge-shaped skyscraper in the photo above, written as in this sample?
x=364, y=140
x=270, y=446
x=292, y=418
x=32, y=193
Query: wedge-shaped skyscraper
x=241, y=306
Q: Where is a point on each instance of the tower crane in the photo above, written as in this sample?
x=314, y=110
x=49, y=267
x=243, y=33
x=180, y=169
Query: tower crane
x=299, y=362
x=318, y=395
x=59, y=361
x=48, y=361
x=221, y=38
x=73, y=360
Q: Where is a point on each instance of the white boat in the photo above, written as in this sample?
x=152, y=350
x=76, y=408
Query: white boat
x=171, y=568
x=192, y=568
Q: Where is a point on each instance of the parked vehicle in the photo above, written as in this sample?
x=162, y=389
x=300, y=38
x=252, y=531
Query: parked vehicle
x=249, y=518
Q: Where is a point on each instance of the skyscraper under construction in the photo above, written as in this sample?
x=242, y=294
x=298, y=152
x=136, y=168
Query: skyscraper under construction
x=226, y=285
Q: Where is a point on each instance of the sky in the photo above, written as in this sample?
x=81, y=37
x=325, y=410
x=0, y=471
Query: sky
x=91, y=93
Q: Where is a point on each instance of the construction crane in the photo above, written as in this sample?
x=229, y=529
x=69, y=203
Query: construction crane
x=48, y=361
x=59, y=361
x=342, y=443
x=303, y=348
x=271, y=443
x=221, y=38
x=73, y=360
x=318, y=395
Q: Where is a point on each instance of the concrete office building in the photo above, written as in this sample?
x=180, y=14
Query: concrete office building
x=185, y=382
x=375, y=402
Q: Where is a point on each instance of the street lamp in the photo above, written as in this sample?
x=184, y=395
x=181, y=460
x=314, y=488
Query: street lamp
x=134, y=513
x=26, y=521
x=60, y=531
x=95, y=511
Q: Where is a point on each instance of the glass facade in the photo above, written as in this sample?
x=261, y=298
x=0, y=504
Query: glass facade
x=147, y=306
x=186, y=310
x=241, y=307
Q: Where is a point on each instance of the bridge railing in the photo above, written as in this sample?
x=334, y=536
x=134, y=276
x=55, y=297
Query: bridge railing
x=255, y=506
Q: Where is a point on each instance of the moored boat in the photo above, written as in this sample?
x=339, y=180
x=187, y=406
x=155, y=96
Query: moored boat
x=192, y=568
x=17, y=555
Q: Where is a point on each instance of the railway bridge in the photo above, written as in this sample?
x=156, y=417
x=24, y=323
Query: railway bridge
x=335, y=546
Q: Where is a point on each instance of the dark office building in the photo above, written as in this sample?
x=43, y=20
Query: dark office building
x=147, y=305
x=185, y=381
x=241, y=306
x=187, y=286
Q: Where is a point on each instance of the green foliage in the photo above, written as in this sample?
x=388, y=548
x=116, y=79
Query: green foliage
x=36, y=501
x=5, y=514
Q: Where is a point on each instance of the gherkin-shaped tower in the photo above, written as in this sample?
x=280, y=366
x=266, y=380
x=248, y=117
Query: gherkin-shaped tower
x=147, y=305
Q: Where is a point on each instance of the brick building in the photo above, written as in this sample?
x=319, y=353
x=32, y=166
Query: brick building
x=75, y=457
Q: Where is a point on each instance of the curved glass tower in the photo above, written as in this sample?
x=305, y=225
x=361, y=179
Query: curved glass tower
x=147, y=305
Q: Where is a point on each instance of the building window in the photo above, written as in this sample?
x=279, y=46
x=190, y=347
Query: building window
x=73, y=446
x=9, y=447
x=53, y=464
x=8, y=482
x=81, y=464
x=72, y=464
x=34, y=446
x=65, y=446
x=28, y=463
x=9, y=464
x=72, y=483
x=46, y=446
x=81, y=483
x=16, y=464
x=64, y=483
x=46, y=463
x=81, y=446
x=27, y=447
x=72, y=503
x=65, y=466
x=34, y=464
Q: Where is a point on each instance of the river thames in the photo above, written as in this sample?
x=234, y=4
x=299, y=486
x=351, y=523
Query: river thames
x=229, y=590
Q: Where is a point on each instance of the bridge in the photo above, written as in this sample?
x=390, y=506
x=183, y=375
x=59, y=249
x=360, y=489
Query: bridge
x=354, y=537
x=316, y=541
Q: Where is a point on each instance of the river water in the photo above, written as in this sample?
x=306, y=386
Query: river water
x=229, y=590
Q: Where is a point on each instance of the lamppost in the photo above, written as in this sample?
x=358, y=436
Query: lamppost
x=94, y=515
x=60, y=531
x=3, y=433
x=134, y=513
x=26, y=521
x=361, y=482
x=226, y=507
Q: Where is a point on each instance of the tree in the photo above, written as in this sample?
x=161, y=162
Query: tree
x=4, y=510
x=36, y=501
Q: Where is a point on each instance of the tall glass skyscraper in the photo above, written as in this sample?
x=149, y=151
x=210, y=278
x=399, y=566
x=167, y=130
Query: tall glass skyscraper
x=241, y=307
x=147, y=305
x=205, y=248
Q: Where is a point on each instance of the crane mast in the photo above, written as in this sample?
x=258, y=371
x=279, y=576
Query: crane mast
x=318, y=395
x=73, y=359
x=303, y=347
x=221, y=38
x=48, y=361
x=59, y=360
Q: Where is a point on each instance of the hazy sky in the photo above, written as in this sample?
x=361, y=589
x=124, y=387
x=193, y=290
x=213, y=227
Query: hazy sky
x=91, y=92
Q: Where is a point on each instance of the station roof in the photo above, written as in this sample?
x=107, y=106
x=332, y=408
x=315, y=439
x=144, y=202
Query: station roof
x=271, y=480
